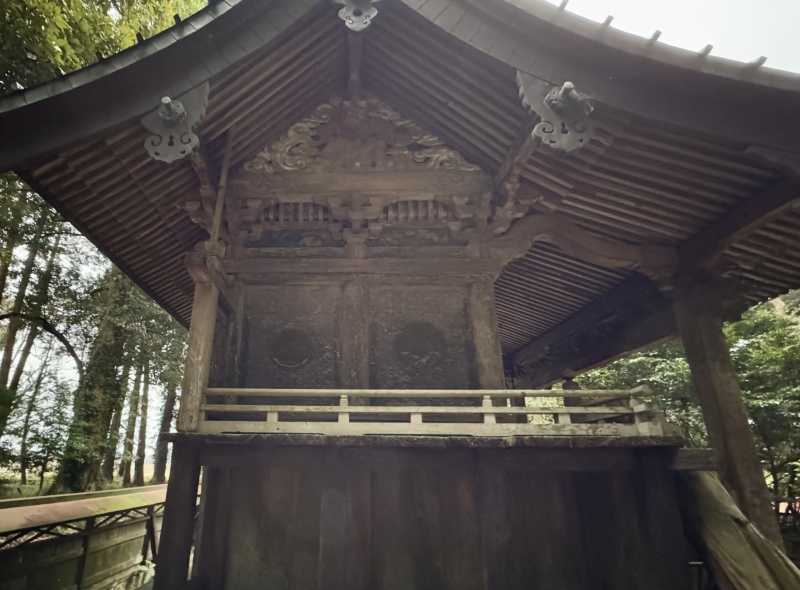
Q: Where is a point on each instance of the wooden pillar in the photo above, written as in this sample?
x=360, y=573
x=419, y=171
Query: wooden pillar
x=489, y=356
x=201, y=341
x=177, y=530
x=352, y=327
x=699, y=321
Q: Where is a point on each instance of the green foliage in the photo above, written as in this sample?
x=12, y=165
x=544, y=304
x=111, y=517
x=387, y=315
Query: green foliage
x=42, y=39
x=765, y=348
x=95, y=309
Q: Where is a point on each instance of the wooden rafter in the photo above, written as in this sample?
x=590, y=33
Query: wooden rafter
x=704, y=249
x=630, y=316
x=355, y=45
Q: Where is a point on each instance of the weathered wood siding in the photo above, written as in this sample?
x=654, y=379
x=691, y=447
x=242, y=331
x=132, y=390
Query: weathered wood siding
x=445, y=519
x=114, y=557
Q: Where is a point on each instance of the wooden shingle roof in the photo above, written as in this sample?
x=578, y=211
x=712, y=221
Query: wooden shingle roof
x=689, y=142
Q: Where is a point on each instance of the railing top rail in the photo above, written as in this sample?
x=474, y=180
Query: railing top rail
x=28, y=517
x=426, y=393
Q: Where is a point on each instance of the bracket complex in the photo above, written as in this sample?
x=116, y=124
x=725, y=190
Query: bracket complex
x=173, y=125
x=357, y=14
x=564, y=113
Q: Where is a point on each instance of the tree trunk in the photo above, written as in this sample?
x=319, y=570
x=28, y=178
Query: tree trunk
x=26, y=426
x=94, y=399
x=141, y=447
x=42, y=290
x=7, y=253
x=130, y=428
x=160, y=460
x=699, y=320
x=42, y=471
x=7, y=396
x=116, y=422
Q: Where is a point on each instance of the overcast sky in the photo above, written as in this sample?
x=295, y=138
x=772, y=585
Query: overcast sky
x=738, y=29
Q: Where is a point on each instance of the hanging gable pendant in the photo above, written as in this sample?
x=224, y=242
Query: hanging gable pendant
x=565, y=122
x=173, y=125
x=357, y=14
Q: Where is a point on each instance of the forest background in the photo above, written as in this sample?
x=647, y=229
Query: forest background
x=90, y=368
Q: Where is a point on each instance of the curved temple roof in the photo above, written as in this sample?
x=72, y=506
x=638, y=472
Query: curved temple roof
x=697, y=150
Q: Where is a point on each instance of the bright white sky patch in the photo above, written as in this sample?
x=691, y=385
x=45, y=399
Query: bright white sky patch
x=738, y=29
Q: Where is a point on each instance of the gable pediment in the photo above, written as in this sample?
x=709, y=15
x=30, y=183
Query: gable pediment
x=362, y=167
x=356, y=136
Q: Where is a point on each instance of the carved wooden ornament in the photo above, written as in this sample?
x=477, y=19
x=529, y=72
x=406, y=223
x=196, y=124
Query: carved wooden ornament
x=364, y=135
x=564, y=113
x=173, y=125
x=357, y=14
x=359, y=165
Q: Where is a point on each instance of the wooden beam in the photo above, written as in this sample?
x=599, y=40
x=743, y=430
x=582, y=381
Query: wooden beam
x=694, y=460
x=554, y=228
x=219, y=206
x=698, y=314
x=704, y=249
x=172, y=568
x=355, y=47
x=199, y=162
x=630, y=316
x=201, y=340
x=507, y=178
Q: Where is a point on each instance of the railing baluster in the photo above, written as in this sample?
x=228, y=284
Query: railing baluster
x=487, y=403
x=596, y=412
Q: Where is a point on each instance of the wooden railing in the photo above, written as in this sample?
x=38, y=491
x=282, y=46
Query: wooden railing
x=98, y=540
x=452, y=412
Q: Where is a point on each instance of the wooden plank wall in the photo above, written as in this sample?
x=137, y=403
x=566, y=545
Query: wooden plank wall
x=114, y=560
x=463, y=519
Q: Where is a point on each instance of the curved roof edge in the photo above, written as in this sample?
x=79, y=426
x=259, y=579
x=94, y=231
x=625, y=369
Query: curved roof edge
x=118, y=61
x=719, y=97
x=555, y=47
x=103, y=95
x=753, y=72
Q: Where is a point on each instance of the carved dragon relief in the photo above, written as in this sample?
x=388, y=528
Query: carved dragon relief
x=360, y=166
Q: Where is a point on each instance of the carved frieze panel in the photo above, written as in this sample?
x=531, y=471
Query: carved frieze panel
x=356, y=135
x=353, y=170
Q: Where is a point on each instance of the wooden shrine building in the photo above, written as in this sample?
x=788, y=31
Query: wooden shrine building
x=389, y=226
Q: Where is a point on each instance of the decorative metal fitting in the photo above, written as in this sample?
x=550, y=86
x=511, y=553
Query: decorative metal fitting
x=565, y=123
x=357, y=14
x=172, y=125
x=564, y=113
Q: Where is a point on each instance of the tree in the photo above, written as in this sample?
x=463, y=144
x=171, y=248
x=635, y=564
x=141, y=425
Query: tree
x=43, y=39
x=170, y=376
x=94, y=398
x=141, y=446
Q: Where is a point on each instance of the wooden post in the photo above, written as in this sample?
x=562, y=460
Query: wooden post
x=201, y=340
x=699, y=321
x=489, y=356
x=85, y=547
x=177, y=529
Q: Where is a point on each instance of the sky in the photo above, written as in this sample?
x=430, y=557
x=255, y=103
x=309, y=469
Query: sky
x=738, y=29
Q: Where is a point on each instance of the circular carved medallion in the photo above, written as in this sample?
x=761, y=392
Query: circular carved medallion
x=419, y=345
x=291, y=348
